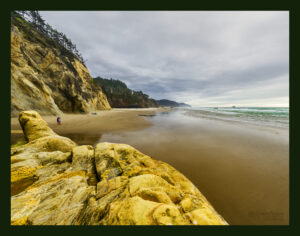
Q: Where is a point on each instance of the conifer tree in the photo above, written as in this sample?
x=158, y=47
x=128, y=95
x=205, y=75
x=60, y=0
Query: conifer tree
x=58, y=37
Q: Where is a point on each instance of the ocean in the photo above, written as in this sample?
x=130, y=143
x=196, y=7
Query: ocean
x=270, y=116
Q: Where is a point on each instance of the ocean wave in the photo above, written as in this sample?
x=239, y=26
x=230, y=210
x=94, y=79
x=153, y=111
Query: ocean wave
x=272, y=116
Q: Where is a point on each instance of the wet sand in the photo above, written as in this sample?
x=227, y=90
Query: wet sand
x=242, y=170
x=88, y=128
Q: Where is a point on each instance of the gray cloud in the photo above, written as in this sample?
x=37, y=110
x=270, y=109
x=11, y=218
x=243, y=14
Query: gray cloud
x=199, y=57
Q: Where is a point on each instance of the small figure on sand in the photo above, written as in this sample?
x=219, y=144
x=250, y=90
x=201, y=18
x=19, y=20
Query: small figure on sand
x=58, y=120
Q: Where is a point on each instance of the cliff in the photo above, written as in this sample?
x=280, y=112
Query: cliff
x=46, y=77
x=120, y=96
x=56, y=182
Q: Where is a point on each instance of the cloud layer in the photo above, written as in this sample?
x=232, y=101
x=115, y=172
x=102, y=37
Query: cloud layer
x=203, y=58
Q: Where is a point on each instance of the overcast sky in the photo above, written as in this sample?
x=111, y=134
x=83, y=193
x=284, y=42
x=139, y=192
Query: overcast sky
x=203, y=58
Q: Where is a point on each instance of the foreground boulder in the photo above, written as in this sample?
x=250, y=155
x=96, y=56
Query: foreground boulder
x=56, y=182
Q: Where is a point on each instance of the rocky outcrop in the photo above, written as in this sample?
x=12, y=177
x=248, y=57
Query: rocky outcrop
x=56, y=182
x=46, y=79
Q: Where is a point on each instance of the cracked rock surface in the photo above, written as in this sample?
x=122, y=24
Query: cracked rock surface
x=46, y=79
x=56, y=182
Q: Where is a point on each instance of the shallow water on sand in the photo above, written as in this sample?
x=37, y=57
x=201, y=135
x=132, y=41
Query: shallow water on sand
x=243, y=170
x=80, y=139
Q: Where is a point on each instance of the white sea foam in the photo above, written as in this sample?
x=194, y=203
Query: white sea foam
x=271, y=116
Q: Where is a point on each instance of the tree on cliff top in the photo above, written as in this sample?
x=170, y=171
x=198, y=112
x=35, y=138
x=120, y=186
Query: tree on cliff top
x=40, y=25
x=119, y=95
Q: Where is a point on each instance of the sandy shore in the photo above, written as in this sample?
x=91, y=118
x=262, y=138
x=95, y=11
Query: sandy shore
x=88, y=128
x=243, y=170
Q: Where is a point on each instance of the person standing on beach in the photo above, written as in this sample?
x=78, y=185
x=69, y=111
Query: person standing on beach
x=58, y=120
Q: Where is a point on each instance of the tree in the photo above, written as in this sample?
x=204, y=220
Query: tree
x=58, y=37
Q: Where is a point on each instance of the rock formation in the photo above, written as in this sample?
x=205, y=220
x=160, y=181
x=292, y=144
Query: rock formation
x=46, y=79
x=56, y=182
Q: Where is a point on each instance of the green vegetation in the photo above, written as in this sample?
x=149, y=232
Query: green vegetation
x=169, y=103
x=119, y=96
x=32, y=19
x=19, y=143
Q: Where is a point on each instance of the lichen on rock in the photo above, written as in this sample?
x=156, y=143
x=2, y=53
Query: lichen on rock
x=45, y=79
x=57, y=182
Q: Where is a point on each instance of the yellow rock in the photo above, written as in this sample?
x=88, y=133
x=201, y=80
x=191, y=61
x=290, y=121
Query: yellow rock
x=21, y=179
x=34, y=126
x=149, y=185
x=45, y=79
x=40, y=136
x=84, y=159
x=106, y=186
x=56, y=157
x=20, y=221
x=56, y=182
x=132, y=211
x=51, y=143
x=190, y=203
x=205, y=216
x=65, y=175
x=153, y=194
x=168, y=215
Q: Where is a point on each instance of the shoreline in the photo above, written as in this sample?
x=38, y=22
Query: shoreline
x=242, y=169
x=110, y=184
x=252, y=123
x=75, y=126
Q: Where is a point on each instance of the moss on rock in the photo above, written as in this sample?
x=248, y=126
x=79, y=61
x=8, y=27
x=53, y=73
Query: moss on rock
x=56, y=182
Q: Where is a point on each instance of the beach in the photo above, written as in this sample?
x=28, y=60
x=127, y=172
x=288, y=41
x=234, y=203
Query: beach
x=87, y=128
x=242, y=169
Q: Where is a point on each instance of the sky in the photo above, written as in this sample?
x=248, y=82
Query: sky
x=203, y=58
